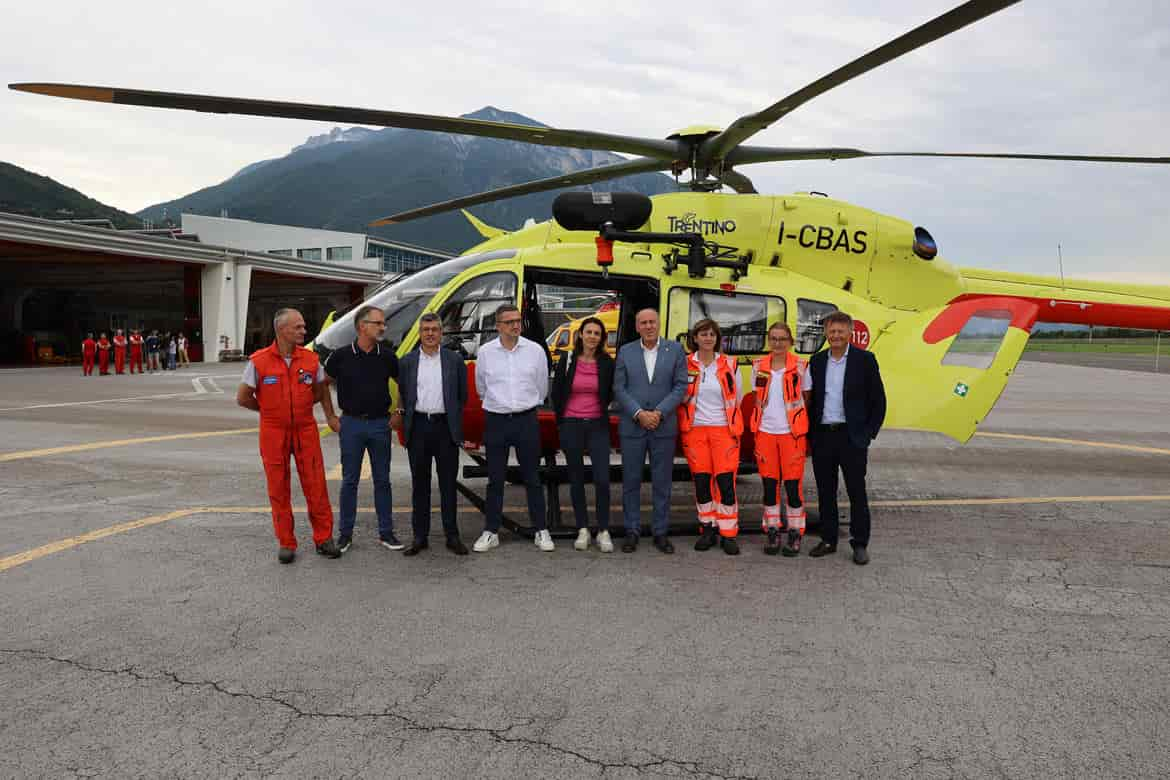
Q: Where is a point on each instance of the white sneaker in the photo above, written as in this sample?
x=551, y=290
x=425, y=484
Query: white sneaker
x=544, y=541
x=486, y=541
x=582, y=542
x=604, y=542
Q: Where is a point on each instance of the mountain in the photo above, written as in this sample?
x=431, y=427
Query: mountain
x=346, y=178
x=27, y=193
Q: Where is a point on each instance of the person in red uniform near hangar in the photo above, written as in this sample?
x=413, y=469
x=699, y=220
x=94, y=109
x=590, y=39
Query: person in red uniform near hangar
x=136, y=342
x=103, y=347
x=119, y=352
x=282, y=382
x=88, y=353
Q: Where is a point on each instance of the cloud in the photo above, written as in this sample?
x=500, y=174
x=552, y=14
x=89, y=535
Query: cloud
x=1041, y=76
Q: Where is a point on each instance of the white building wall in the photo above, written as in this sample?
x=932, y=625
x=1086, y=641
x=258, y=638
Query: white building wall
x=224, y=292
x=264, y=237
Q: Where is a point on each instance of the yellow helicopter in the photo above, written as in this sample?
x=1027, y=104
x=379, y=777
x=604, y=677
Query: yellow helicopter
x=947, y=338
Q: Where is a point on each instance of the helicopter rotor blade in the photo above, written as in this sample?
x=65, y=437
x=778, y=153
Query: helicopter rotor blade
x=738, y=182
x=546, y=136
x=719, y=146
x=642, y=165
x=745, y=155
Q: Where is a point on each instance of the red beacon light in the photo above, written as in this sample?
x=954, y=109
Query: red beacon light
x=604, y=252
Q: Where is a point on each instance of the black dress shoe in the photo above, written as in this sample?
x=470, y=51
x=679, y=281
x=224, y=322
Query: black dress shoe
x=630, y=543
x=822, y=549
x=860, y=556
x=417, y=546
x=329, y=549
x=456, y=545
x=662, y=543
x=730, y=545
x=286, y=555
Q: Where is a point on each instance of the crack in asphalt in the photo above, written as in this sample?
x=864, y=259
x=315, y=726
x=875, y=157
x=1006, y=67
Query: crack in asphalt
x=499, y=735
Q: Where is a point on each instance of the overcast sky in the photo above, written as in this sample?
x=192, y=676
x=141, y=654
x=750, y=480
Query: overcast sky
x=1059, y=76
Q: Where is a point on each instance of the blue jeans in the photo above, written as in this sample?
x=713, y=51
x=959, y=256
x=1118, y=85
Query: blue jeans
x=358, y=437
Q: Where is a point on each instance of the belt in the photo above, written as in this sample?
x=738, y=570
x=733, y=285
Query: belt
x=831, y=426
x=512, y=414
x=431, y=416
x=367, y=416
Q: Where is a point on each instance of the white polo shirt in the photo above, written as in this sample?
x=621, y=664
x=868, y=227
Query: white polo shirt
x=775, y=417
x=709, y=401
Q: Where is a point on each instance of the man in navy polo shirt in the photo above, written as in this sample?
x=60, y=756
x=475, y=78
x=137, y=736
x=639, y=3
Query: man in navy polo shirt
x=362, y=372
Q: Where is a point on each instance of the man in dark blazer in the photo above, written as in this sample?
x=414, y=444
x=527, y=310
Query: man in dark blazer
x=432, y=384
x=650, y=379
x=847, y=409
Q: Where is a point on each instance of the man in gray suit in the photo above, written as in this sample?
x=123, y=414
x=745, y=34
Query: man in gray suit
x=432, y=383
x=649, y=382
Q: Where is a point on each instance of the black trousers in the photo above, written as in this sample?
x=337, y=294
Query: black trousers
x=501, y=432
x=430, y=440
x=832, y=451
x=579, y=437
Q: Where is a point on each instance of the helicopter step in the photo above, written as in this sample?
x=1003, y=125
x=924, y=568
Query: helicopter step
x=553, y=475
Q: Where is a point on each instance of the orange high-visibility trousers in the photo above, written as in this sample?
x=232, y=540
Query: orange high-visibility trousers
x=135, y=359
x=711, y=449
x=120, y=360
x=781, y=457
x=303, y=443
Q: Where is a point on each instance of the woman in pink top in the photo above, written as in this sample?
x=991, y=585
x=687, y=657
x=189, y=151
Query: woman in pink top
x=582, y=388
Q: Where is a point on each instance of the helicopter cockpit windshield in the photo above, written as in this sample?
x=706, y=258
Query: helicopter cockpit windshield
x=404, y=301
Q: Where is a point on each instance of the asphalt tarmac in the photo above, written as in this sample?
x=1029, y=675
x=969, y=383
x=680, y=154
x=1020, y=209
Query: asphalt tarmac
x=1013, y=621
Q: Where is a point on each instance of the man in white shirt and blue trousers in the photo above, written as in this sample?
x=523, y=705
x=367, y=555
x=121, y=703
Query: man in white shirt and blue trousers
x=511, y=377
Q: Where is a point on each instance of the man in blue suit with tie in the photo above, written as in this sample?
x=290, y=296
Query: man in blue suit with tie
x=650, y=379
x=847, y=408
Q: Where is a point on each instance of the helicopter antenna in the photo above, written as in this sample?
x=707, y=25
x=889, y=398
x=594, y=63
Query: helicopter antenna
x=1060, y=259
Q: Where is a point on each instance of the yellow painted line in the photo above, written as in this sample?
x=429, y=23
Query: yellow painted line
x=101, y=445
x=1079, y=442
x=101, y=533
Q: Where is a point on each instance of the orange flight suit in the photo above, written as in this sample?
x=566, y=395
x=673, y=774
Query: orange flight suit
x=120, y=354
x=287, y=427
x=781, y=456
x=88, y=351
x=103, y=347
x=713, y=450
x=136, y=342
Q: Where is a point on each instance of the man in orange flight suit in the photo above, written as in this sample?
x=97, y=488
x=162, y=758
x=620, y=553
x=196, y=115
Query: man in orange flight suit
x=103, y=347
x=136, y=342
x=88, y=352
x=119, y=352
x=282, y=382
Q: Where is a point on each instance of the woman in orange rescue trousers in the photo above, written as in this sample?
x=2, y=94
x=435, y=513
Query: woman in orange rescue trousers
x=710, y=423
x=779, y=422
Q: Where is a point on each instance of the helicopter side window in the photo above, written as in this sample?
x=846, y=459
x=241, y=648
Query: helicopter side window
x=743, y=319
x=469, y=315
x=977, y=344
x=810, y=327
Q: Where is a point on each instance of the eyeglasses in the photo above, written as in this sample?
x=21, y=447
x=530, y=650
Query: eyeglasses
x=508, y=322
x=378, y=323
